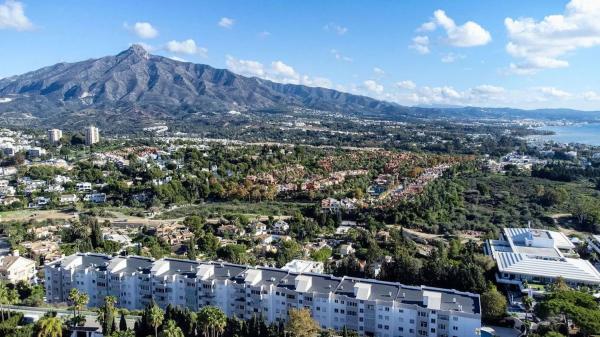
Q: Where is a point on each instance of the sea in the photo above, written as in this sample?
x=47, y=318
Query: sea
x=576, y=133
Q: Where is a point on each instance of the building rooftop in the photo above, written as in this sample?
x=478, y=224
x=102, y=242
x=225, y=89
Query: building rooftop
x=540, y=253
x=362, y=289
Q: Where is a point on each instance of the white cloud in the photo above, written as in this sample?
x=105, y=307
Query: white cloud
x=469, y=34
x=317, y=82
x=591, y=96
x=543, y=44
x=264, y=34
x=283, y=69
x=554, y=92
x=339, y=56
x=277, y=72
x=226, y=22
x=427, y=27
x=333, y=27
x=452, y=57
x=378, y=71
x=373, y=86
x=12, y=16
x=407, y=84
x=420, y=44
x=186, y=47
x=143, y=30
x=245, y=67
x=487, y=89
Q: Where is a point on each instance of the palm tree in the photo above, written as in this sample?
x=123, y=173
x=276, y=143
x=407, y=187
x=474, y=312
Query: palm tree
x=3, y=298
x=172, y=330
x=528, y=305
x=156, y=318
x=78, y=301
x=50, y=327
x=213, y=320
x=12, y=297
x=106, y=314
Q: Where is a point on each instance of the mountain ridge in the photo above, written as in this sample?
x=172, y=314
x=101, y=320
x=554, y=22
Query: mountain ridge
x=165, y=87
x=137, y=88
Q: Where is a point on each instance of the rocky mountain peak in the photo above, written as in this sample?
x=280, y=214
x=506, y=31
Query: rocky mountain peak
x=135, y=50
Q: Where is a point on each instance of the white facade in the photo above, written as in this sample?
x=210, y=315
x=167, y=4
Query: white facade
x=92, y=135
x=15, y=268
x=54, y=135
x=304, y=266
x=381, y=309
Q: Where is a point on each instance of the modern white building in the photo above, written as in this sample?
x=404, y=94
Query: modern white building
x=54, y=135
x=373, y=308
x=92, y=135
x=539, y=256
x=35, y=152
x=304, y=266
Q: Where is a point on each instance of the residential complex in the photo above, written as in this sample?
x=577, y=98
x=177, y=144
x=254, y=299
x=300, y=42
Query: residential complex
x=54, y=135
x=370, y=307
x=92, y=135
x=539, y=256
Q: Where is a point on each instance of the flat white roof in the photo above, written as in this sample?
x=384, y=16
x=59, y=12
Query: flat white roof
x=570, y=269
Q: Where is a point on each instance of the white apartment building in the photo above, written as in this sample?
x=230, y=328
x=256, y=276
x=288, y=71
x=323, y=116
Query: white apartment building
x=54, y=135
x=92, y=135
x=373, y=308
x=539, y=256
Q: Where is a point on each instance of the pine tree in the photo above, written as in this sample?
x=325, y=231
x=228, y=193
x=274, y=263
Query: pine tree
x=122, y=322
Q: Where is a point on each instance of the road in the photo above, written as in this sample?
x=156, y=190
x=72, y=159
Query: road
x=90, y=316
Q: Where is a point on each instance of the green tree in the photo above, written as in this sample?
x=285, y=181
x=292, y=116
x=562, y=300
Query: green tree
x=50, y=327
x=172, y=330
x=212, y=320
x=122, y=322
x=301, y=324
x=106, y=315
x=78, y=301
x=493, y=304
x=527, y=305
x=233, y=253
x=569, y=304
x=156, y=317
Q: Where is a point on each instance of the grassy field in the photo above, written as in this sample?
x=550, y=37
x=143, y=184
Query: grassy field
x=209, y=210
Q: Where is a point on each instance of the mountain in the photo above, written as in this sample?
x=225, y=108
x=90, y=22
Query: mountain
x=134, y=89
x=138, y=87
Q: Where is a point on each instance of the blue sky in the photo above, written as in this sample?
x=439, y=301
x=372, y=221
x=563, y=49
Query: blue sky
x=530, y=54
